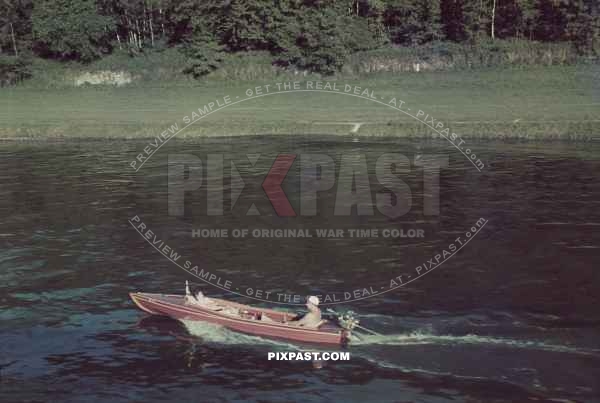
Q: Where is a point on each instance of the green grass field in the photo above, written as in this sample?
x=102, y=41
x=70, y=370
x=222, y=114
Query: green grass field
x=535, y=103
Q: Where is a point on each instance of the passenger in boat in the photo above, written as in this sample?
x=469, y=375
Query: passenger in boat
x=200, y=298
x=189, y=298
x=313, y=317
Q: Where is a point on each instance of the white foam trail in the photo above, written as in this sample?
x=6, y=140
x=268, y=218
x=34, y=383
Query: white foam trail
x=219, y=334
x=420, y=338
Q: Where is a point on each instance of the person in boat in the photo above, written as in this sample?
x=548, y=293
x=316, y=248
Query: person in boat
x=198, y=299
x=201, y=299
x=313, y=317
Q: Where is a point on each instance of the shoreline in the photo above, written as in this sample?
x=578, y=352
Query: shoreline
x=552, y=103
x=556, y=136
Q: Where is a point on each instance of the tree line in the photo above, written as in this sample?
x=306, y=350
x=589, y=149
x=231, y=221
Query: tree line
x=311, y=34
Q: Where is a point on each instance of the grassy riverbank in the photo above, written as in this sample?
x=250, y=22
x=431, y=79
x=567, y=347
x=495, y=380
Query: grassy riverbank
x=534, y=102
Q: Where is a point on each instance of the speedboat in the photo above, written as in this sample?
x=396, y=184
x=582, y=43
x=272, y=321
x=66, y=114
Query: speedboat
x=241, y=318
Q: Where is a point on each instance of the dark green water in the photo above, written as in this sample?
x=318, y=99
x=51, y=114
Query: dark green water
x=511, y=316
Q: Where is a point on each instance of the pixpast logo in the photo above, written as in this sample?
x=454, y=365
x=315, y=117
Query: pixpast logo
x=318, y=173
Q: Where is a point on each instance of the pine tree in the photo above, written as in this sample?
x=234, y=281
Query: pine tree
x=551, y=21
x=583, y=24
x=453, y=20
x=413, y=21
x=71, y=29
x=15, y=26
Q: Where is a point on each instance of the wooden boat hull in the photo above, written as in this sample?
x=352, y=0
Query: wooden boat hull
x=175, y=306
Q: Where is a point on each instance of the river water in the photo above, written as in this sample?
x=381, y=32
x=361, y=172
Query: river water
x=511, y=316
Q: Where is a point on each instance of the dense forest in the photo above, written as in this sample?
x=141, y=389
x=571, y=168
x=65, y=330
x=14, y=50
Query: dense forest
x=316, y=35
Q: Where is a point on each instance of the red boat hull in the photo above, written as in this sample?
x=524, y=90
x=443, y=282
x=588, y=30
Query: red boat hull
x=175, y=307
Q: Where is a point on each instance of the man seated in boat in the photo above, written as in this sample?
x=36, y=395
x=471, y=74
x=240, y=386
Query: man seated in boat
x=313, y=317
x=201, y=299
x=198, y=299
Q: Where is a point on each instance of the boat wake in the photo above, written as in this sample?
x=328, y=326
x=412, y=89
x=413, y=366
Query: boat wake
x=218, y=334
x=421, y=338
